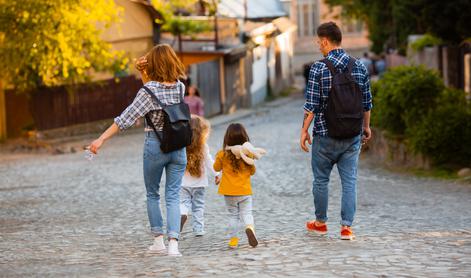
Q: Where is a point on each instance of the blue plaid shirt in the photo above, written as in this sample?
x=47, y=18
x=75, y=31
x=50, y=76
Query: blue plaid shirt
x=320, y=83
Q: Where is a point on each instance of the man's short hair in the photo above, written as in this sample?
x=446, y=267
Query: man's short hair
x=331, y=31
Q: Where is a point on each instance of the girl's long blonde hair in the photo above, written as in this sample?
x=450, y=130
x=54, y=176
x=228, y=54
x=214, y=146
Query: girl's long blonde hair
x=195, y=151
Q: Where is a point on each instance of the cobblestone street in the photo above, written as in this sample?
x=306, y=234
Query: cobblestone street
x=65, y=216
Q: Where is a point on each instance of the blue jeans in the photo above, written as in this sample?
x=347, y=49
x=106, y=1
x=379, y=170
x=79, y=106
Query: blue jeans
x=192, y=199
x=326, y=152
x=239, y=207
x=174, y=163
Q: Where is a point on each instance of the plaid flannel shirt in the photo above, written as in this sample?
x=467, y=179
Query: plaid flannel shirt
x=143, y=104
x=320, y=83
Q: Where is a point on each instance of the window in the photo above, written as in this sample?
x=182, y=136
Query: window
x=308, y=17
x=352, y=26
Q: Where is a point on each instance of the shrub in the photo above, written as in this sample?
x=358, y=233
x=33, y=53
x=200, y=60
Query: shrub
x=412, y=101
x=424, y=41
x=404, y=96
x=444, y=134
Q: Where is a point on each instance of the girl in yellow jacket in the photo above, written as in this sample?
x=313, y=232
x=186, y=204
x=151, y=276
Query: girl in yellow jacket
x=235, y=185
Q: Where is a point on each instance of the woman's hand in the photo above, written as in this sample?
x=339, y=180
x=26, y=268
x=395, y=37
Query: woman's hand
x=95, y=145
x=140, y=63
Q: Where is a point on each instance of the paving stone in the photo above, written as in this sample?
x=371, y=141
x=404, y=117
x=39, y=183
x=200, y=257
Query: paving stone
x=65, y=216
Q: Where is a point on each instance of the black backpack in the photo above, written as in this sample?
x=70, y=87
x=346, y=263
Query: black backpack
x=176, y=132
x=344, y=111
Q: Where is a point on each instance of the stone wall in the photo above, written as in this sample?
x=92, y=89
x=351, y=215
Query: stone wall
x=393, y=151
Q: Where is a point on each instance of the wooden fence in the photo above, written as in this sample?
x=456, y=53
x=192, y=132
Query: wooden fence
x=63, y=106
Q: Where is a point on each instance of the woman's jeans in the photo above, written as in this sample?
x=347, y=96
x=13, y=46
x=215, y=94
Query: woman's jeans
x=239, y=207
x=192, y=200
x=174, y=163
x=326, y=152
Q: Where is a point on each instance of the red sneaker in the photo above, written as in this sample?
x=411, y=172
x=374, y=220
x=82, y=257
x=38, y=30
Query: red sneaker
x=316, y=227
x=346, y=233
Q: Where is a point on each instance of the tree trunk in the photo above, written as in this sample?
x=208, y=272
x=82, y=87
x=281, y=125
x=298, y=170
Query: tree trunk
x=3, y=114
x=180, y=47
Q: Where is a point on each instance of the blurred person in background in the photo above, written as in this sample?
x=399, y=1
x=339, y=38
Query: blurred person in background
x=194, y=101
x=367, y=62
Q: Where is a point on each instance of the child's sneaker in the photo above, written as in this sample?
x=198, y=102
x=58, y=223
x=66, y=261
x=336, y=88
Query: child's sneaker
x=183, y=219
x=251, y=236
x=173, y=248
x=158, y=246
x=316, y=227
x=234, y=242
x=346, y=233
x=199, y=233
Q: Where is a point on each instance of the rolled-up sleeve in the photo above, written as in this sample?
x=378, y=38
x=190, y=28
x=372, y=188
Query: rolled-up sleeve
x=313, y=90
x=365, y=88
x=140, y=106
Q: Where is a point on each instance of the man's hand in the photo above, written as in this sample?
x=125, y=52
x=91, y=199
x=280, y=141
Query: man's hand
x=140, y=63
x=217, y=179
x=308, y=117
x=366, y=135
x=305, y=137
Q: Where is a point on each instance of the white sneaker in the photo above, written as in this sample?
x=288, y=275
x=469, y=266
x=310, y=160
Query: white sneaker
x=173, y=248
x=158, y=246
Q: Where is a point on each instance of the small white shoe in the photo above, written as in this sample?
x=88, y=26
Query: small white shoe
x=158, y=246
x=173, y=248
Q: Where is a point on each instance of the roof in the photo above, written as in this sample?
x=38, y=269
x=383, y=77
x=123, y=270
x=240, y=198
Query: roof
x=149, y=7
x=256, y=9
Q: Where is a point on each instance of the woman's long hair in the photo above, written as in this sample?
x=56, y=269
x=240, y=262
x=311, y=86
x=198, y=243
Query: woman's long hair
x=163, y=64
x=235, y=135
x=195, y=151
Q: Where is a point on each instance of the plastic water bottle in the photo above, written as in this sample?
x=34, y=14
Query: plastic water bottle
x=89, y=155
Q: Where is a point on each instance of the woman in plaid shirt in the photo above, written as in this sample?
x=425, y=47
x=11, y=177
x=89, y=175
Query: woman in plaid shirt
x=160, y=70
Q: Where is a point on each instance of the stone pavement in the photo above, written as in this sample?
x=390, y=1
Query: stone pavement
x=65, y=216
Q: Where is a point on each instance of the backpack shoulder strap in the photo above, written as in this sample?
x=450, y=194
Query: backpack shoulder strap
x=148, y=119
x=329, y=65
x=351, y=63
x=154, y=97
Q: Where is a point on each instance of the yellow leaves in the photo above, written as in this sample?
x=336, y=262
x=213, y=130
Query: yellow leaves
x=25, y=16
x=53, y=42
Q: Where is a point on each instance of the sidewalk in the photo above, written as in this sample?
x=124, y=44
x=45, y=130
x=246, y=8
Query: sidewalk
x=72, y=139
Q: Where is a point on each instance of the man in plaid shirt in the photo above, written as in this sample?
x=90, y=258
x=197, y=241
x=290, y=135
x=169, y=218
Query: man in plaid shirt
x=327, y=151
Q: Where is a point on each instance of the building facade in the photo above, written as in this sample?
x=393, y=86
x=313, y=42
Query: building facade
x=307, y=15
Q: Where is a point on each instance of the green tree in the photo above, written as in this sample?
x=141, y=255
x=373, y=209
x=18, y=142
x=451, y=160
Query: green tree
x=173, y=17
x=391, y=21
x=49, y=42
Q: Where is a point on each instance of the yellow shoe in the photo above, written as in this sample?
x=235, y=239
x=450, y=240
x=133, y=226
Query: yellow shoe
x=234, y=242
x=249, y=230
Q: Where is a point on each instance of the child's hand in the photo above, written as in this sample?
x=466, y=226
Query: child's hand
x=217, y=180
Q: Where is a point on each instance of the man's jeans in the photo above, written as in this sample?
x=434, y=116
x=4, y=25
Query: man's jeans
x=326, y=152
x=174, y=163
x=239, y=207
x=192, y=199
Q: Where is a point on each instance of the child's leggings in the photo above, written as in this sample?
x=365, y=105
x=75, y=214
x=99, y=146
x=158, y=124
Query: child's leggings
x=239, y=207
